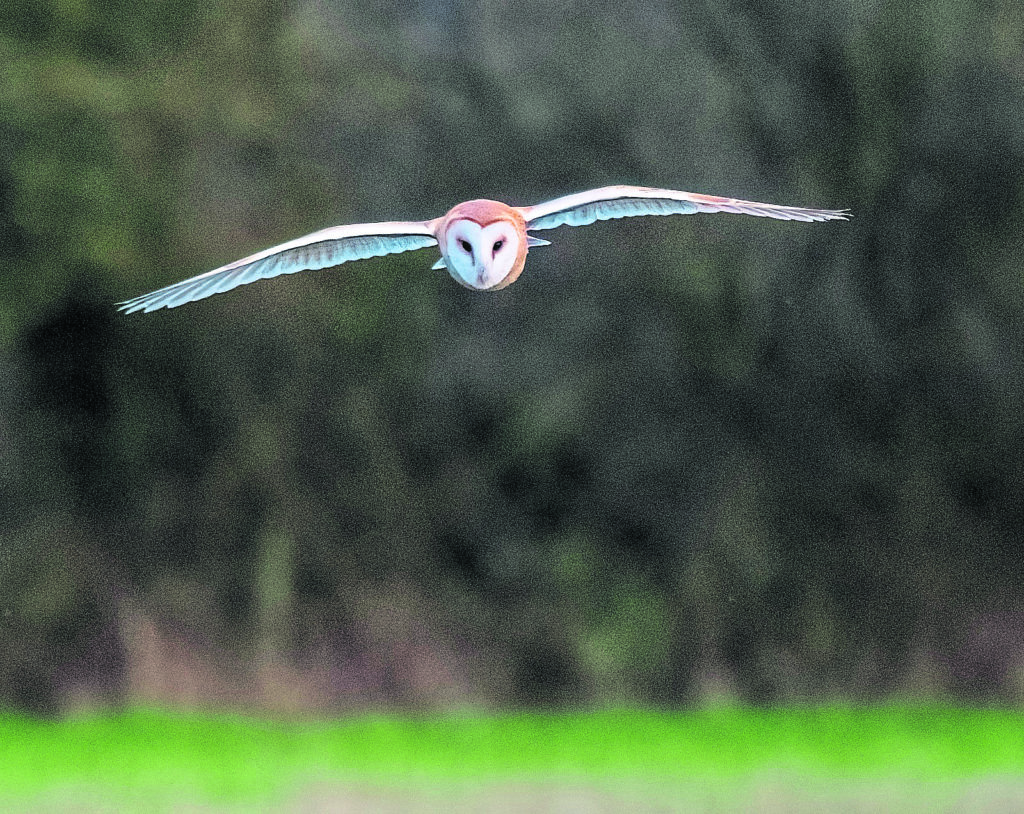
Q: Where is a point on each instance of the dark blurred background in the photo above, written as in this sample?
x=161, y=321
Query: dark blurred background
x=683, y=460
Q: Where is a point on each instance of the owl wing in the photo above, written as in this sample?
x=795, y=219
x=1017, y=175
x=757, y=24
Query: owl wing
x=627, y=201
x=328, y=247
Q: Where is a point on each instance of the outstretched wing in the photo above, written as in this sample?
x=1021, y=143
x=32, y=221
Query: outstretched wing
x=627, y=201
x=328, y=247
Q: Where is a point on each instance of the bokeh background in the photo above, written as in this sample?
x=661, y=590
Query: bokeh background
x=683, y=461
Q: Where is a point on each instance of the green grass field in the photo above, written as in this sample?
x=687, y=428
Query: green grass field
x=832, y=759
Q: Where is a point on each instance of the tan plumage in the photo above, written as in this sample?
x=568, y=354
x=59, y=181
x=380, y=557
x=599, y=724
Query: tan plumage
x=483, y=243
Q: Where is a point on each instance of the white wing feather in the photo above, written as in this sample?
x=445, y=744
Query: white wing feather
x=328, y=247
x=628, y=201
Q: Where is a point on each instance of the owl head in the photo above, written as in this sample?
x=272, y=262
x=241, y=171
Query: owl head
x=483, y=244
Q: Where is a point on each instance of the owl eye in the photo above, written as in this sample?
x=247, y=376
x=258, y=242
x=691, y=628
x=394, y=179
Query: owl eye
x=498, y=244
x=466, y=247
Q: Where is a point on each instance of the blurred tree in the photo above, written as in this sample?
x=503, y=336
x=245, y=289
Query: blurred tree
x=682, y=459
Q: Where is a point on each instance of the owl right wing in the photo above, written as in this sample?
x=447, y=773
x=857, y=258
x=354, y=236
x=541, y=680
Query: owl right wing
x=328, y=247
x=623, y=201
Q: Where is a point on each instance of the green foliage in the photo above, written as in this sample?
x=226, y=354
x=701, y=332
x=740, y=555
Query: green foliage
x=158, y=759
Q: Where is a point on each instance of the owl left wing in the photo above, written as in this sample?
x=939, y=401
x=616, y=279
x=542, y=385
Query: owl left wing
x=627, y=201
x=328, y=247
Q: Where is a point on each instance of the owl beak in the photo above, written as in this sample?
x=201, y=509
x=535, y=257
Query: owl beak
x=481, y=270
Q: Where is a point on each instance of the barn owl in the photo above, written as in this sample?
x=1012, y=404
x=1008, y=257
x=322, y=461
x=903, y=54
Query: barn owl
x=483, y=243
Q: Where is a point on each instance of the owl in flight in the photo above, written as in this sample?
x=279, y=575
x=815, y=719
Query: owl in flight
x=483, y=243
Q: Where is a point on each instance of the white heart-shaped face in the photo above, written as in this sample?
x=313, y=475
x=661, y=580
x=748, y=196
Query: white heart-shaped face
x=480, y=256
